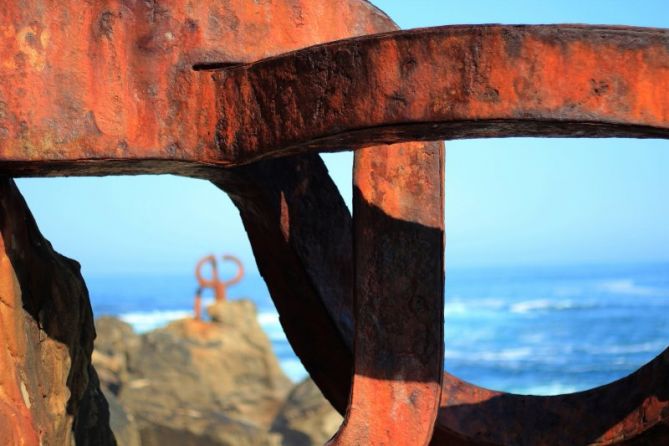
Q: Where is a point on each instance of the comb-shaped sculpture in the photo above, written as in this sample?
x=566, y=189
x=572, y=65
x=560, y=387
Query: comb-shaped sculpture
x=131, y=87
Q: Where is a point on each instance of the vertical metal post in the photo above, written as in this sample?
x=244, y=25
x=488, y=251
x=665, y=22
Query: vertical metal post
x=399, y=283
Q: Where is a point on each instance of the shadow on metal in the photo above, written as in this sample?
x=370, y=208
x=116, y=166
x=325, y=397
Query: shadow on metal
x=130, y=102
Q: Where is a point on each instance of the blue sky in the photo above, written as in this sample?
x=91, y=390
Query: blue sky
x=508, y=202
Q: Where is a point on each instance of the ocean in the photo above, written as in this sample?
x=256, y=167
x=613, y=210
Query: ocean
x=530, y=330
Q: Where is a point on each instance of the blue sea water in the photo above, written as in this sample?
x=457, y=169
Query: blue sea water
x=533, y=330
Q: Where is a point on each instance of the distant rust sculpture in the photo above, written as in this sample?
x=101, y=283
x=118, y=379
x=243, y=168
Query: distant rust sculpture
x=219, y=286
x=360, y=299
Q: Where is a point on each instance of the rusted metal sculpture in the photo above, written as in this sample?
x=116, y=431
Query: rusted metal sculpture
x=219, y=286
x=129, y=101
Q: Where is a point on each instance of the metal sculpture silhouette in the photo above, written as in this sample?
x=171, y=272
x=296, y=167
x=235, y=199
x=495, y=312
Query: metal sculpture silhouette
x=220, y=287
x=125, y=99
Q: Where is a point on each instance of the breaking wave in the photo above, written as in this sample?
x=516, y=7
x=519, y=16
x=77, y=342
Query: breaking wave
x=530, y=306
x=269, y=321
x=461, y=307
x=628, y=287
x=145, y=321
x=511, y=354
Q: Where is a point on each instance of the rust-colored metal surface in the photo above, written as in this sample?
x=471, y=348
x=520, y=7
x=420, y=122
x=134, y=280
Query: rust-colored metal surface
x=450, y=82
x=630, y=411
x=125, y=86
x=484, y=81
x=399, y=295
x=635, y=414
x=108, y=87
x=633, y=410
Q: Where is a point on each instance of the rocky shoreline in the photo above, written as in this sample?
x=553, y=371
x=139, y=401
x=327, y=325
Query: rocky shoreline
x=202, y=383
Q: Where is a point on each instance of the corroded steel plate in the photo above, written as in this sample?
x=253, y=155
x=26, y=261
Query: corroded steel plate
x=107, y=87
x=447, y=83
x=144, y=109
x=110, y=88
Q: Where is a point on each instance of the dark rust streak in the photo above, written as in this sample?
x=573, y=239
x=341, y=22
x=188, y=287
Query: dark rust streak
x=309, y=279
x=215, y=66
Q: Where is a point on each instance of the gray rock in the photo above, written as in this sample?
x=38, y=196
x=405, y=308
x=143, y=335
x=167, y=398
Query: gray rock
x=122, y=423
x=203, y=383
x=306, y=418
x=115, y=346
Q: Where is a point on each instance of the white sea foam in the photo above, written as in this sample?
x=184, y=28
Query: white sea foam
x=628, y=287
x=142, y=322
x=533, y=338
x=455, y=308
x=529, y=306
x=532, y=305
x=504, y=355
x=469, y=308
x=643, y=347
x=554, y=388
x=459, y=306
x=269, y=321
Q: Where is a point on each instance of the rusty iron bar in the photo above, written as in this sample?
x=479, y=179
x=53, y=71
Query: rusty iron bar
x=545, y=81
x=631, y=411
x=640, y=397
x=399, y=296
x=287, y=205
x=114, y=91
x=636, y=407
x=437, y=83
x=310, y=280
x=448, y=83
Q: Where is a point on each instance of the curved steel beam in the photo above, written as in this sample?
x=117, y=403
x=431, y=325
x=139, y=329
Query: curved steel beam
x=447, y=83
x=287, y=204
x=108, y=87
x=631, y=411
x=428, y=84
